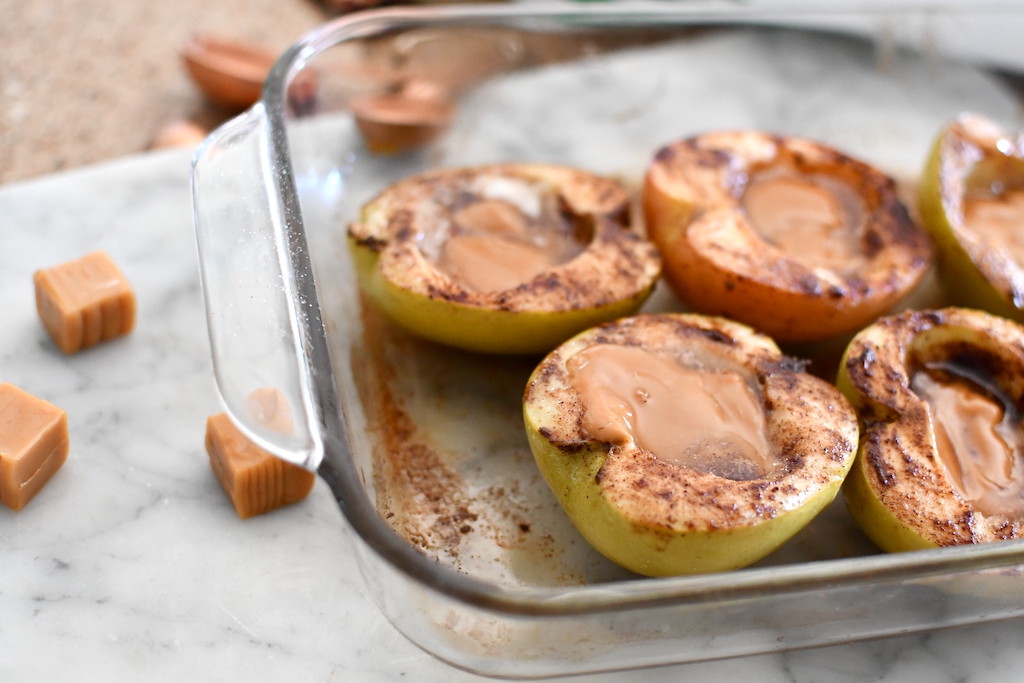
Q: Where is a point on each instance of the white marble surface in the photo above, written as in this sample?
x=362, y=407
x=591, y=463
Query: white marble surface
x=131, y=565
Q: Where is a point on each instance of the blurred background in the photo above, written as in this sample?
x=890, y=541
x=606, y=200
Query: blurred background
x=85, y=81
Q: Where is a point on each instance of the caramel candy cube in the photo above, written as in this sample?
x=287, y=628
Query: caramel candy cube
x=270, y=409
x=256, y=481
x=33, y=444
x=84, y=302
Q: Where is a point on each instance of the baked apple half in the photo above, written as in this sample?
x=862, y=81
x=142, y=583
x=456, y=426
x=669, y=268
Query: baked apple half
x=781, y=233
x=508, y=258
x=941, y=460
x=972, y=203
x=681, y=443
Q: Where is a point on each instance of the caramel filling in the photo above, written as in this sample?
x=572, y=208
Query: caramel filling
x=978, y=440
x=815, y=220
x=997, y=219
x=707, y=420
x=506, y=237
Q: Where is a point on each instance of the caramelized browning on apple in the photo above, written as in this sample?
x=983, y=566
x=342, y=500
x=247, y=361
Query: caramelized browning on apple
x=681, y=443
x=785, y=234
x=510, y=258
x=941, y=461
x=972, y=202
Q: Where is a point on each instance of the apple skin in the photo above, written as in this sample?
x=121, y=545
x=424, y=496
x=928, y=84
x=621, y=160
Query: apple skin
x=657, y=518
x=898, y=491
x=611, y=278
x=885, y=529
x=479, y=328
x=974, y=277
x=718, y=263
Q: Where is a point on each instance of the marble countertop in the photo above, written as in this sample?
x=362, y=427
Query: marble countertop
x=131, y=564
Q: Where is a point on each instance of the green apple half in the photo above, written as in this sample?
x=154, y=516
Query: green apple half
x=972, y=154
x=899, y=491
x=659, y=518
x=611, y=277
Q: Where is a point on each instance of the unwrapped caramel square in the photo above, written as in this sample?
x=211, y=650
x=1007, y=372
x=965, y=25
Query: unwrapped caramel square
x=270, y=409
x=33, y=444
x=84, y=302
x=256, y=481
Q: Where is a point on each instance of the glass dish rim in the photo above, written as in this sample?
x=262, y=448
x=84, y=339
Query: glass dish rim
x=338, y=469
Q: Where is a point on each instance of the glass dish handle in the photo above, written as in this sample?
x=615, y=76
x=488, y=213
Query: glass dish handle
x=251, y=292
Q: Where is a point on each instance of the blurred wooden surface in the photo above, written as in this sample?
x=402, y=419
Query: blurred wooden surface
x=84, y=81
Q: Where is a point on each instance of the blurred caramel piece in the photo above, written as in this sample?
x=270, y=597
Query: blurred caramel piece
x=179, y=134
x=347, y=6
x=33, y=444
x=229, y=72
x=269, y=408
x=84, y=302
x=255, y=480
x=411, y=117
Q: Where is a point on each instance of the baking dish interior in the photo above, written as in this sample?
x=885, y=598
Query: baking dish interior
x=461, y=543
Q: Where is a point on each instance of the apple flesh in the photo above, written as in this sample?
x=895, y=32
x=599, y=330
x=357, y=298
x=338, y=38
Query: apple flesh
x=660, y=518
x=971, y=155
x=720, y=262
x=611, y=276
x=900, y=491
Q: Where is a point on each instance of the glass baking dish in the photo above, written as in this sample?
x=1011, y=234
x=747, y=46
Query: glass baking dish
x=460, y=542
